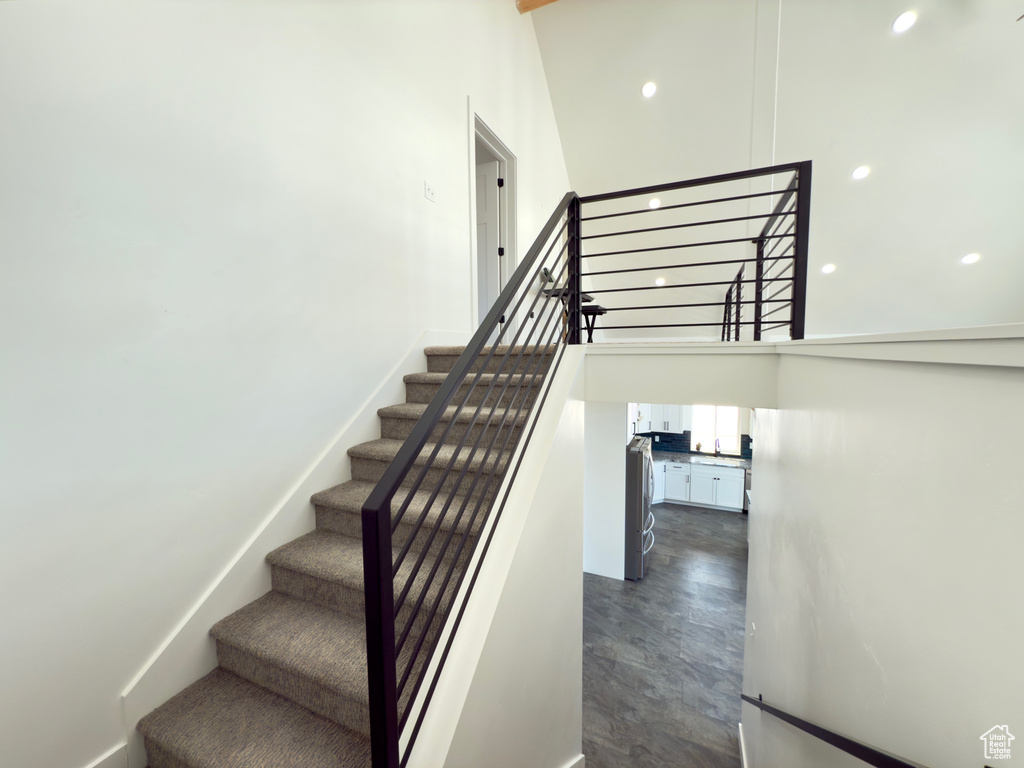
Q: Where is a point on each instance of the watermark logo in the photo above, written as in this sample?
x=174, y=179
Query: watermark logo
x=997, y=742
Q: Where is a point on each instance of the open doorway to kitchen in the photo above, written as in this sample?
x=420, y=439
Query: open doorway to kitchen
x=493, y=218
x=663, y=642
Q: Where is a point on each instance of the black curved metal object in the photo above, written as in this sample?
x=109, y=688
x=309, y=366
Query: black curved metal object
x=870, y=755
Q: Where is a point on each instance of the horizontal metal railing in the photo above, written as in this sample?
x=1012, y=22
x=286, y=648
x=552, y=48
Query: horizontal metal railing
x=690, y=244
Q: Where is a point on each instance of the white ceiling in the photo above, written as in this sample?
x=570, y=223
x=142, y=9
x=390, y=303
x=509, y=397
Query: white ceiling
x=938, y=114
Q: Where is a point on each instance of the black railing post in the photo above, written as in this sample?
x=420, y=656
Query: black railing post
x=727, y=314
x=380, y=635
x=803, y=226
x=574, y=313
x=758, y=288
x=739, y=301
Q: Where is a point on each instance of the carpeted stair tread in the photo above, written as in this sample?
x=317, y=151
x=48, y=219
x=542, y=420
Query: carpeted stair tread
x=385, y=450
x=339, y=559
x=352, y=494
x=501, y=350
x=223, y=721
x=413, y=411
x=438, y=377
x=313, y=642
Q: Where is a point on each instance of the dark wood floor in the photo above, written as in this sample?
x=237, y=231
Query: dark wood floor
x=663, y=658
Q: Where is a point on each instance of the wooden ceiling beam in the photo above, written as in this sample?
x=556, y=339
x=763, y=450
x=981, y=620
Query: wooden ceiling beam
x=525, y=6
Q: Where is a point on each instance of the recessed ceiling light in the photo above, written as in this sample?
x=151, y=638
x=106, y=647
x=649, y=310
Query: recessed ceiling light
x=861, y=173
x=655, y=203
x=904, y=22
x=828, y=269
x=970, y=258
x=659, y=281
x=649, y=89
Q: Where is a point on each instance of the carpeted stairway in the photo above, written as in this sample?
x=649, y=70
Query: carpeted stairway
x=291, y=688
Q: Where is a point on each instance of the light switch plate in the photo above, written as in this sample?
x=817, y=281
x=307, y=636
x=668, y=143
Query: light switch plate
x=429, y=192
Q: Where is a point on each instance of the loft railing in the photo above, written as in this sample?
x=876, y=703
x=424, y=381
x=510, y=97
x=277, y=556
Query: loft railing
x=414, y=572
x=870, y=755
x=688, y=239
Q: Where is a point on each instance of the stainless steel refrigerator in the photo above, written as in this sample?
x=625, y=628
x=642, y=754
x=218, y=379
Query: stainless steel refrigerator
x=639, y=518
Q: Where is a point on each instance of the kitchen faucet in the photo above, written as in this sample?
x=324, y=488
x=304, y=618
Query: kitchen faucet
x=718, y=446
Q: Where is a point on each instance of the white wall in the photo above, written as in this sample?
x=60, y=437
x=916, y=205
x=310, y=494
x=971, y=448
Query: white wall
x=928, y=112
x=215, y=244
x=885, y=569
x=525, y=705
x=604, y=495
x=724, y=374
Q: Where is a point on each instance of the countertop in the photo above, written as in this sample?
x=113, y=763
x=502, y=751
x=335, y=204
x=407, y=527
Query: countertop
x=700, y=458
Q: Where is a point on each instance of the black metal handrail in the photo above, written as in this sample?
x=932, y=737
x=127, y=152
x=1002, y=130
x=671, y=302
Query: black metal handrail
x=870, y=755
x=779, y=259
x=411, y=586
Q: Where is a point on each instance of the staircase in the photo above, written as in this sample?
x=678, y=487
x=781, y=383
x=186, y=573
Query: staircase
x=291, y=685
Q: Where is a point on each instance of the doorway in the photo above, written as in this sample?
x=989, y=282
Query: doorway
x=493, y=220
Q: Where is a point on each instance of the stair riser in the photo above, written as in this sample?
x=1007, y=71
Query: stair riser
x=314, y=696
x=417, y=392
x=158, y=757
x=371, y=470
x=445, y=363
x=400, y=429
x=350, y=524
x=348, y=600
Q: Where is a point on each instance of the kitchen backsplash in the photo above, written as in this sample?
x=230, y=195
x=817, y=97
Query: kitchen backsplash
x=674, y=442
x=671, y=442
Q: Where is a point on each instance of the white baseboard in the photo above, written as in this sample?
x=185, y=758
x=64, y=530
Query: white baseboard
x=115, y=757
x=743, y=749
x=579, y=762
x=188, y=652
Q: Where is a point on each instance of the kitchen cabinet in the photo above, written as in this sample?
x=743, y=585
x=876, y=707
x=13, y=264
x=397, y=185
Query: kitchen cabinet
x=659, y=482
x=643, y=418
x=666, y=418
x=717, y=486
x=677, y=482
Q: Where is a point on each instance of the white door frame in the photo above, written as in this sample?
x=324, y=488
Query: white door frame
x=478, y=129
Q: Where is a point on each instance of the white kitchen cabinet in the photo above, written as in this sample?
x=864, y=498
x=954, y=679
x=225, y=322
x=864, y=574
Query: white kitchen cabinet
x=667, y=418
x=659, y=482
x=717, y=486
x=643, y=421
x=677, y=482
x=658, y=418
x=702, y=485
x=729, y=488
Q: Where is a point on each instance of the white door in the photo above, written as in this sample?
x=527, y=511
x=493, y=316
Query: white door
x=702, y=485
x=729, y=489
x=677, y=483
x=672, y=419
x=659, y=482
x=488, y=237
x=658, y=418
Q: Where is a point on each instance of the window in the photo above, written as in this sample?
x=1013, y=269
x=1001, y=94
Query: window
x=716, y=422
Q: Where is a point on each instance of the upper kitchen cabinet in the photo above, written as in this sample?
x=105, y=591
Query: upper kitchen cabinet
x=643, y=417
x=670, y=418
